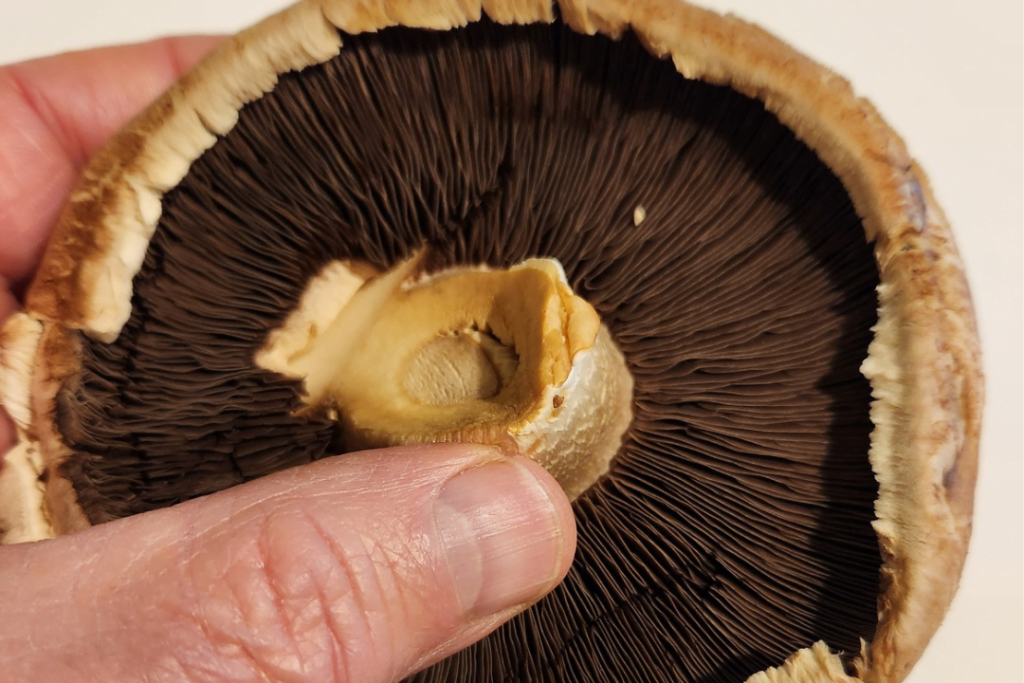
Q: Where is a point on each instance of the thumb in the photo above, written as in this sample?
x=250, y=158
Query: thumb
x=361, y=568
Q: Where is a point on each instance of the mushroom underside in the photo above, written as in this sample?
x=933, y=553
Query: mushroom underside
x=734, y=527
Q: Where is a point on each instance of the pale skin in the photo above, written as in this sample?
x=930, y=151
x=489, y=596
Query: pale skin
x=363, y=568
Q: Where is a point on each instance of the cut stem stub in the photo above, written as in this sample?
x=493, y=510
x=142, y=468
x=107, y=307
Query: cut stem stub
x=506, y=357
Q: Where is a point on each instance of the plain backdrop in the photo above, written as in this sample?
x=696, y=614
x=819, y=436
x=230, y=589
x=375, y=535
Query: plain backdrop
x=948, y=76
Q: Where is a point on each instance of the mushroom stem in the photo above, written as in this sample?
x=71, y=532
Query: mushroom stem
x=507, y=357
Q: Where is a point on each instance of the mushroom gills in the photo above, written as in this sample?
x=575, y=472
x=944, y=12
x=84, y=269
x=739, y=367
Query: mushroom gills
x=734, y=524
x=509, y=357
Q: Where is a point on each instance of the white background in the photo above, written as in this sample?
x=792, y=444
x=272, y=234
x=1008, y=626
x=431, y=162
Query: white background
x=948, y=76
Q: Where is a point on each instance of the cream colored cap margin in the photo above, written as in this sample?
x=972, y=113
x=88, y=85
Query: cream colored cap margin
x=923, y=364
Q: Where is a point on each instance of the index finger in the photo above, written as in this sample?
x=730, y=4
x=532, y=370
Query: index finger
x=56, y=112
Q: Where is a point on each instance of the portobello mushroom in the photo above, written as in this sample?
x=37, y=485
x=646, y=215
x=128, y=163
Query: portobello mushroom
x=654, y=248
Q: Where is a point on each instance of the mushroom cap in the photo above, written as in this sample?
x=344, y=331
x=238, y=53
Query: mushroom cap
x=922, y=362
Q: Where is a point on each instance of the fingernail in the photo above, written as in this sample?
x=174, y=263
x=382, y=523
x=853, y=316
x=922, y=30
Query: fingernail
x=502, y=536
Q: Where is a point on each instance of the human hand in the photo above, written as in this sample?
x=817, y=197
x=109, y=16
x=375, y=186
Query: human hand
x=361, y=568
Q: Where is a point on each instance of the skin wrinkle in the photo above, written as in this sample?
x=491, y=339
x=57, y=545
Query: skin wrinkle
x=182, y=673
x=396, y=564
x=338, y=654
x=341, y=654
x=179, y=61
x=248, y=508
x=199, y=618
x=284, y=661
x=74, y=148
x=195, y=598
x=166, y=617
x=84, y=576
x=206, y=612
x=176, y=670
x=374, y=633
x=386, y=572
x=267, y=564
x=330, y=582
x=244, y=619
